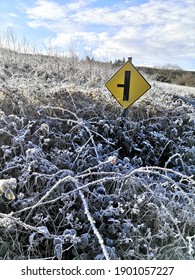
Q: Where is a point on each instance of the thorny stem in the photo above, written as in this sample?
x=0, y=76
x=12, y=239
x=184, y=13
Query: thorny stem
x=152, y=170
x=68, y=178
x=60, y=109
x=90, y=219
x=19, y=222
x=40, y=202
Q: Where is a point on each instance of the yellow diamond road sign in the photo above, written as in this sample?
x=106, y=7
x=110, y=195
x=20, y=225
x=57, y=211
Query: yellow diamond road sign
x=127, y=85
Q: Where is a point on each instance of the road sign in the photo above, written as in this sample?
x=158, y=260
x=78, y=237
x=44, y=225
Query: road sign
x=127, y=85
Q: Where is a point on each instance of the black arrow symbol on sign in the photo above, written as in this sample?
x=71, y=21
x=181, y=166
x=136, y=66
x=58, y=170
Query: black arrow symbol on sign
x=126, y=85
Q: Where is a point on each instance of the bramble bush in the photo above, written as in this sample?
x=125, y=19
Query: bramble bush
x=77, y=181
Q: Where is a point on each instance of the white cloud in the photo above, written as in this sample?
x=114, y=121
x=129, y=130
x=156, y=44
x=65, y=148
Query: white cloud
x=46, y=10
x=154, y=32
x=78, y=4
x=14, y=15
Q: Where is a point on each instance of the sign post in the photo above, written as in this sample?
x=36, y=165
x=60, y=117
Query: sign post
x=127, y=85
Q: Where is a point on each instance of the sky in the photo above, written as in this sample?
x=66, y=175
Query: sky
x=152, y=32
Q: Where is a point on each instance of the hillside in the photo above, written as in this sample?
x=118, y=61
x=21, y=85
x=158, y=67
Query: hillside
x=172, y=76
x=77, y=181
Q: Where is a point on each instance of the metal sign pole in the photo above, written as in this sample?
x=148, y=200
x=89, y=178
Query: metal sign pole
x=126, y=111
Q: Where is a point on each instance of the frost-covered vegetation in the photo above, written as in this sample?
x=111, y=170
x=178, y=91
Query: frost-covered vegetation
x=79, y=182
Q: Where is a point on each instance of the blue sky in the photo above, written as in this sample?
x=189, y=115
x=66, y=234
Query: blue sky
x=153, y=32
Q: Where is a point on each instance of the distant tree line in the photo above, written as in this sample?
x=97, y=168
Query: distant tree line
x=119, y=62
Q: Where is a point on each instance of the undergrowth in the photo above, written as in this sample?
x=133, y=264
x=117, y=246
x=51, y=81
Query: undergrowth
x=77, y=181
